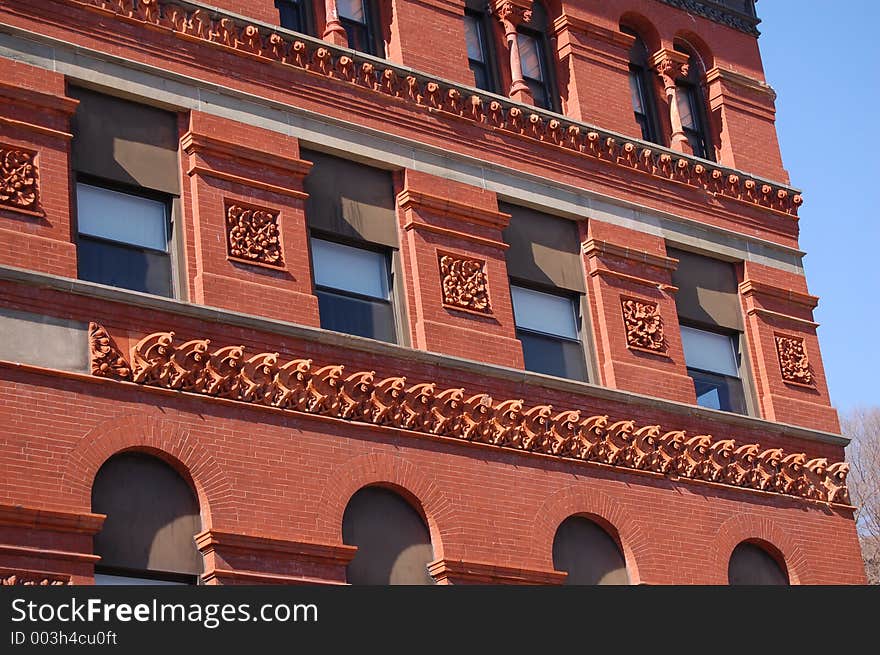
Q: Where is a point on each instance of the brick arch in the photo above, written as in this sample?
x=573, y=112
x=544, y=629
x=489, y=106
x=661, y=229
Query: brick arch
x=398, y=474
x=170, y=442
x=575, y=500
x=750, y=527
x=644, y=28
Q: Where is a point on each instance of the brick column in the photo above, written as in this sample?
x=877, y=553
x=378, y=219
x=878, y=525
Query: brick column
x=744, y=109
x=35, y=213
x=594, y=66
x=454, y=270
x=789, y=376
x=670, y=65
x=246, y=234
x=633, y=312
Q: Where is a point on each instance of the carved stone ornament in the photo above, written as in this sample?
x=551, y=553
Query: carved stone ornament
x=644, y=325
x=18, y=179
x=104, y=357
x=214, y=29
x=793, y=360
x=302, y=386
x=464, y=283
x=253, y=235
x=30, y=580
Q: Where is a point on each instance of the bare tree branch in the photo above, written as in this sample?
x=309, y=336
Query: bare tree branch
x=862, y=425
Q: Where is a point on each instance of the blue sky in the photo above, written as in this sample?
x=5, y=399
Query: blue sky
x=822, y=58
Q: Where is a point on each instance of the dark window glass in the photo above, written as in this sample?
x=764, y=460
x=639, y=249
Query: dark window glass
x=588, y=554
x=393, y=542
x=713, y=363
x=353, y=286
x=152, y=517
x=546, y=325
x=123, y=240
x=294, y=15
x=752, y=565
x=479, y=48
x=642, y=89
x=534, y=56
x=692, y=108
x=358, y=19
x=352, y=315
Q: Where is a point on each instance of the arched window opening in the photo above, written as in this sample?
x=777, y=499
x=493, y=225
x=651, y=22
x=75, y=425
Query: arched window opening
x=152, y=517
x=393, y=542
x=691, y=105
x=588, y=554
x=641, y=85
x=752, y=565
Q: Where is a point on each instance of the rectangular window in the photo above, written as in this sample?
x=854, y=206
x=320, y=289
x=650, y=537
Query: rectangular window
x=125, y=158
x=292, y=15
x=123, y=240
x=641, y=102
x=353, y=286
x=547, y=327
x=534, y=68
x=357, y=21
x=712, y=361
x=689, y=112
x=479, y=54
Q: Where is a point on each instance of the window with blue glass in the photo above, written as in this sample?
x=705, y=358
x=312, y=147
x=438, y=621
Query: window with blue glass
x=295, y=15
x=713, y=362
x=353, y=286
x=547, y=327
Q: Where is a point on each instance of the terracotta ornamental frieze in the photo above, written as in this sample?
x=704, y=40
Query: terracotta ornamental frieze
x=18, y=179
x=302, y=386
x=793, y=360
x=253, y=235
x=192, y=22
x=644, y=325
x=30, y=580
x=464, y=284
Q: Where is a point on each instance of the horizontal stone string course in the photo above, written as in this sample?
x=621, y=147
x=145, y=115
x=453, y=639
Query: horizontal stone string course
x=194, y=22
x=301, y=386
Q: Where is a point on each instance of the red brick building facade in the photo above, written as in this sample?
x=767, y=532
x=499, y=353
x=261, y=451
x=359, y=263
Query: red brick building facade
x=395, y=291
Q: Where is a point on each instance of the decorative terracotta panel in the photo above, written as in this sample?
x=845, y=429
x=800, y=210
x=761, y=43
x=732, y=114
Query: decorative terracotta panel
x=253, y=235
x=793, y=360
x=105, y=358
x=464, y=284
x=19, y=187
x=300, y=386
x=644, y=325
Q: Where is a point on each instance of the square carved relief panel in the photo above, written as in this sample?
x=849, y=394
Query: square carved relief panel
x=253, y=235
x=464, y=283
x=644, y=325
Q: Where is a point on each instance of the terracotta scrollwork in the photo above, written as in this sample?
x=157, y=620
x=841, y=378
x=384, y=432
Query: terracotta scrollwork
x=299, y=385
